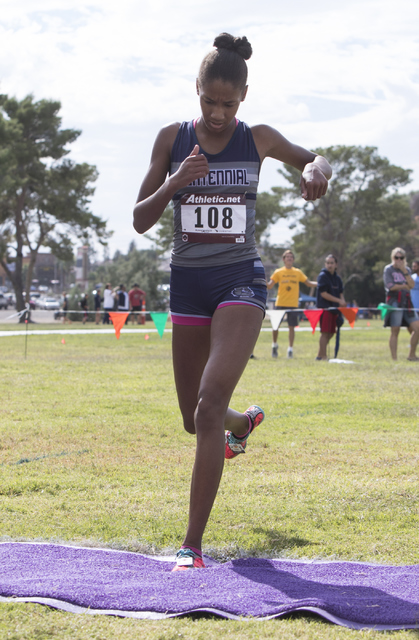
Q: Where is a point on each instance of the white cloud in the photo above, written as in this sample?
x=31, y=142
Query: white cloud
x=322, y=73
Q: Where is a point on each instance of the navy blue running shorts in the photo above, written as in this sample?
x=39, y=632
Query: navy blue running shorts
x=196, y=292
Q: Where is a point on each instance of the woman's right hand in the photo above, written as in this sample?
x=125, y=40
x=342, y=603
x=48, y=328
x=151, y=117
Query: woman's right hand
x=194, y=167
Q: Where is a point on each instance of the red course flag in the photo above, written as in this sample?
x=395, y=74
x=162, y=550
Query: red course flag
x=313, y=316
x=118, y=321
x=350, y=314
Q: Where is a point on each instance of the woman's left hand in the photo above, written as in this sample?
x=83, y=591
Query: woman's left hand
x=313, y=182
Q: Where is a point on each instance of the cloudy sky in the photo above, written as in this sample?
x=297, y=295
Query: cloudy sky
x=323, y=73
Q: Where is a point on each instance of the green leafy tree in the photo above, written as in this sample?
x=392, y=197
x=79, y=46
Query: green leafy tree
x=269, y=208
x=414, y=236
x=141, y=266
x=360, y=220
x=44, y=196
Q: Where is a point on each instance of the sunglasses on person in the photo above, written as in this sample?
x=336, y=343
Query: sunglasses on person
x=399, y=257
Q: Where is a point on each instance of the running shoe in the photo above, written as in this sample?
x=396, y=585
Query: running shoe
x=236, y=445
x=188, y=559
x=275, y=352
x=290, y=352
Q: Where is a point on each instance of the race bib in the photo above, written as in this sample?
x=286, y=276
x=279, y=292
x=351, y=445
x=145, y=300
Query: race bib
x=213, y=217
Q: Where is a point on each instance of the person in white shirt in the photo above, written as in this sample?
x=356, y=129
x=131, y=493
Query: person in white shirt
x=108, y=302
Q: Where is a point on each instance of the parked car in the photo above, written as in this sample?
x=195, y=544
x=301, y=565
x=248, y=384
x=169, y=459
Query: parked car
x=50, y=304
x=4, y=302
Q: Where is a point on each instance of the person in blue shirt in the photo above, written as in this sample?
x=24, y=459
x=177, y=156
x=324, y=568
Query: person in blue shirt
x=329, y=294
x=414, y=293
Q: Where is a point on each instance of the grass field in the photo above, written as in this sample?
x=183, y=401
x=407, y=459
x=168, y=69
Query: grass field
x=92, y=452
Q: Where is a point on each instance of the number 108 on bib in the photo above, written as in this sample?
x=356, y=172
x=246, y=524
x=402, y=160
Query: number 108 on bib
x=213, y=217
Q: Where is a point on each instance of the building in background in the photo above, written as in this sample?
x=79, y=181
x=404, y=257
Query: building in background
x=50, y=272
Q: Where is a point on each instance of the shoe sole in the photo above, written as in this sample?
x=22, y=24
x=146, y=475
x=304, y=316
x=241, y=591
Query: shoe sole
x=260, y=416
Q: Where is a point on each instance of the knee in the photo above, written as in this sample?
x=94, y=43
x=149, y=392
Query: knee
x=210, y=412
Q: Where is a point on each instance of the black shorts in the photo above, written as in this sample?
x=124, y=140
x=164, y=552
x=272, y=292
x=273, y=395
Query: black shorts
x=293, y=317
x=196, y=292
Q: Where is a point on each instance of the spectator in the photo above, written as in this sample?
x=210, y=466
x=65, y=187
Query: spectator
x=288, y=279
x=329, y=294
x=414, y=293
x=123, y=300
x=84, y=303
x=108, y=302
x=65, y=308
x=398, y=282
x=98, y=301
x=136, y=296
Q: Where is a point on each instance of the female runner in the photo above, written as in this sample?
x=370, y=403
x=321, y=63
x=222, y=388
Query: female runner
x=218, y=285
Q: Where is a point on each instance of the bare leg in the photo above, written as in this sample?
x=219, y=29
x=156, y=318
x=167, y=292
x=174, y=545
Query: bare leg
x=291, y=336
x=324, y=341
x=414, y=337
x=393, y=341
x=221, y=353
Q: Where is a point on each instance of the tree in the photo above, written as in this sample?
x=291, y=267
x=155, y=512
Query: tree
x=141, y=266
x=268, y=211
x=414, y=236
x=44, y=196
x=361, y=218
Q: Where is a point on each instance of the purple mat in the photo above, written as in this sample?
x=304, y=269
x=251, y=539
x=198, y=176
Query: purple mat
x=95, y=581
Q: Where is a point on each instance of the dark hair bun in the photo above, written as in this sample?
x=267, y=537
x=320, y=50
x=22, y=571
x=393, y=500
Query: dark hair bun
x=239, y=45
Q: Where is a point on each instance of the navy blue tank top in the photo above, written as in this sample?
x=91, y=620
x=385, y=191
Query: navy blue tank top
x=235, y=170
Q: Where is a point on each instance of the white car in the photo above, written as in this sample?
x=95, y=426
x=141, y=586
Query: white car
x=50, y=304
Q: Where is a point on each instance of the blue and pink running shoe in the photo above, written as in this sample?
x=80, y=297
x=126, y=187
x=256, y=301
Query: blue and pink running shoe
x=236, y=445
x=188, y=559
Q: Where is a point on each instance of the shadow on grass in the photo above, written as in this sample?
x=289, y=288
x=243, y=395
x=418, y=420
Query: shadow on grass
x=276, y=540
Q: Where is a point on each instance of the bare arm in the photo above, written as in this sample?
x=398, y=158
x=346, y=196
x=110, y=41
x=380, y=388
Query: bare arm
x=156, y=191
x=270, y=284
x=406, y=286
x=339, y=301
x=310, y=283
x=409, y=280
x=316, y=171
x=401, y=287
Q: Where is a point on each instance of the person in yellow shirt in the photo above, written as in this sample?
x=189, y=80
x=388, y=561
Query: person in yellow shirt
x=288, y=279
